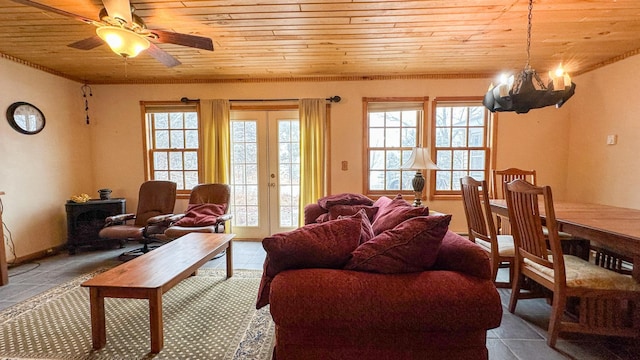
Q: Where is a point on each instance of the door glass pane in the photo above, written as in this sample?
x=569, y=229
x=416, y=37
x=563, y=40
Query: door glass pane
x=288, y=163
x=244, y=179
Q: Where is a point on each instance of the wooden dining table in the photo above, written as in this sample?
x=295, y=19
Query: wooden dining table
x=614, y=228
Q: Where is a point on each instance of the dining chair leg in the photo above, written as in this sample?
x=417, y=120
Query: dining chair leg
x=516, y=285
x=555, y=321
x=511, y=272
x=495, y=265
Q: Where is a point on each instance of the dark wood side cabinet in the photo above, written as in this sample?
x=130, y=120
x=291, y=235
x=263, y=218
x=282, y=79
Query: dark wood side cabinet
x=84, y=221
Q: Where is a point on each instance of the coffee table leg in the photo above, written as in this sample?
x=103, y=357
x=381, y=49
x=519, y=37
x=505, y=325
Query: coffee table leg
x=155, y=319
x=98, y=326
x=230, y=260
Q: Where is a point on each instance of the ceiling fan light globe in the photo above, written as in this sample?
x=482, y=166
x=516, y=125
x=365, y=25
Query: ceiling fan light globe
x=123, y=42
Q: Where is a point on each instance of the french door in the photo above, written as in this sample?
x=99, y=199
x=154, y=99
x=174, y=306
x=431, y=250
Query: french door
x=265, y=172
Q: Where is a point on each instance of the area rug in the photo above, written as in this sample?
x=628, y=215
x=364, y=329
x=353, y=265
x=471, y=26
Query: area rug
x=205, y=317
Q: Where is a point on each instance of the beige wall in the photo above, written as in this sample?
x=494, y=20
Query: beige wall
x=40, y=172
x=536, y=140
x=610, y=105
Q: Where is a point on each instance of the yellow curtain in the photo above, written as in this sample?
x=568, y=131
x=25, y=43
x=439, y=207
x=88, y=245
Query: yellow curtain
x=313, y=115
x=216, y=140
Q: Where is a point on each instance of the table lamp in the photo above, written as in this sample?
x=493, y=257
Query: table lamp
x=418, y=161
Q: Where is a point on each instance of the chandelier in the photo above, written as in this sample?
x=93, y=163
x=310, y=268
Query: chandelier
x=519, y=93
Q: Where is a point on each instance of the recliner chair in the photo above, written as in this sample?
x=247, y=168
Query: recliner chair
x=208, y=212
x=156, y=200
x=211, y=220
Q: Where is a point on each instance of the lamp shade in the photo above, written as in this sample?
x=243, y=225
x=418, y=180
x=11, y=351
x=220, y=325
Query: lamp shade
x=419, y=159
x=123, y=42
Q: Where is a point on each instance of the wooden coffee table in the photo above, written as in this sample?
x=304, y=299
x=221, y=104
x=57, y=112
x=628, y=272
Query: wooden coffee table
x=151, y=275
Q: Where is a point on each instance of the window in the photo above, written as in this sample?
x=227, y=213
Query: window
x=461, y=140
x=393, y=126
x=172, y=144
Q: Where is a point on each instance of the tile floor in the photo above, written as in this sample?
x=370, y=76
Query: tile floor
x=521, y=336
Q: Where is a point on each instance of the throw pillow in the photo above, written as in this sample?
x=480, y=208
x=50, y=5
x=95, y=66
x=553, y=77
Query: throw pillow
x=201, y=214
x=381, y=204
x=344, y=199
x=411, y=246
x=324, y=245
x=347, y=210
x=397, y=211
x=366, y=231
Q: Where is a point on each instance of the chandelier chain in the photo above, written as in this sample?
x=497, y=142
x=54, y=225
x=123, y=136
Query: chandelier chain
x=529, y=35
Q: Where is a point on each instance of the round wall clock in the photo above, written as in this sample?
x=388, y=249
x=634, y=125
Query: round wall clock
x=25, y=118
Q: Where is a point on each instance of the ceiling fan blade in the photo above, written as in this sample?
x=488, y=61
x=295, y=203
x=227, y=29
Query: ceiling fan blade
x=120, y=9
x=162, y=56
x=54, y=10
x=198, y=42
x=87, y=44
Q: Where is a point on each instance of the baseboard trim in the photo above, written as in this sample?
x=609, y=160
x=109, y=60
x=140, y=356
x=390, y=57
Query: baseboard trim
x=20, y=260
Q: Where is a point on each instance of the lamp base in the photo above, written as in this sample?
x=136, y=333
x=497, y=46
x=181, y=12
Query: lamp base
x=418, y=186
x=417, y=202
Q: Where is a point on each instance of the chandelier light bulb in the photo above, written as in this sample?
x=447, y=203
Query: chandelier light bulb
x=559, y=71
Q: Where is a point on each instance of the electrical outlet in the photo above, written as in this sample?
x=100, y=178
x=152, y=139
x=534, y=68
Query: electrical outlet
x=612, y=139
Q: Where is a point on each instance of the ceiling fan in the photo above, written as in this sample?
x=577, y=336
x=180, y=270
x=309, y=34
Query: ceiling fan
x=125, y=32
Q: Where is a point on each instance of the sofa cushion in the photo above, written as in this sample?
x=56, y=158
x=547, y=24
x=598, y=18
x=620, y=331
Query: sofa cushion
x=411, y=246
x=394, y=213
x=328, y=300
x=201, y=214
x=325, y=245
x=344, y=199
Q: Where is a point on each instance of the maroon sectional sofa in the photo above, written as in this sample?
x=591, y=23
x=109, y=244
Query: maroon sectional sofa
x=441, y=313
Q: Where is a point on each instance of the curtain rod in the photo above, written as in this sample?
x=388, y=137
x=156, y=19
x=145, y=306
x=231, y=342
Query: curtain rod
x=335, y=99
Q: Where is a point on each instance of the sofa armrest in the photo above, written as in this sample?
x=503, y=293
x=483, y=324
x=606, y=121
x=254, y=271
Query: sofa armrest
x=424, y=301
x=462, y=255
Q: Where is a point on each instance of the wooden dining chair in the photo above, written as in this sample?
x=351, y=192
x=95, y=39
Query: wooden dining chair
x=608, y=302
x=612, y=260
x=571, y=244
x=501, y=177
x=482, y=230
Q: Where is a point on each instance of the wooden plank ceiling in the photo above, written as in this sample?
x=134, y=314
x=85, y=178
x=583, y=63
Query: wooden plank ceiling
x=307, y=39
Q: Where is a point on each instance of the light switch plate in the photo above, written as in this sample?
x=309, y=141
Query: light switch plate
x=612, y=139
